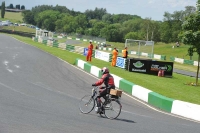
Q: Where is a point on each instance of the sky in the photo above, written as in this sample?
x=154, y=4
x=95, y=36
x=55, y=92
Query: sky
x=153, y=9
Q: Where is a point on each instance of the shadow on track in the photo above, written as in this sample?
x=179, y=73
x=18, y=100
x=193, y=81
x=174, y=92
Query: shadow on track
x=118, y=119
x=125, y=120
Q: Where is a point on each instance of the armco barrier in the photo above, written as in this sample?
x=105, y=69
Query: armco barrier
x=95, y=71
x=44, y=42
x=186, y=109
x=62, y=46
x=141, y=92
x=155, y=56
x=126, y=86
x=184, y=61
x=71, y=48
x=55, y=44
x=160, y=101
x=79, y=49
x=87, y=67
x=189, y=62
x=177, y=107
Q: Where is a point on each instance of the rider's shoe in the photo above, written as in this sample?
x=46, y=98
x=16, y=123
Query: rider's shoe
x=101, y=112
x=97, y=110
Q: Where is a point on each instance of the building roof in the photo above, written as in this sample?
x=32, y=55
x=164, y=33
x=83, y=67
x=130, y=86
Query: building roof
x=13, y=10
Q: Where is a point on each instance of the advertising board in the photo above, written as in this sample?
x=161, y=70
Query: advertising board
x=85, y=51
x=102, y=55
x=150, y=67
x=121, y=62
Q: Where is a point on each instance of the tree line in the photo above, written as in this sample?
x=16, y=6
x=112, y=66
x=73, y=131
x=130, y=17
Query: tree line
x=3, y=6
x=11, y=6
x=113, y=27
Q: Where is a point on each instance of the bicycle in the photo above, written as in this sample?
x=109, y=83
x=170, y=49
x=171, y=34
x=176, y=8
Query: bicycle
x=110, y=107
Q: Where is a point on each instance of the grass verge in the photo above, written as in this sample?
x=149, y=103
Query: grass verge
x=15, y=17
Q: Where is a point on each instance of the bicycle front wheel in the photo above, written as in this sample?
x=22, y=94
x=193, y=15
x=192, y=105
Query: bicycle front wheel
x=113, y=109
x=87, y=103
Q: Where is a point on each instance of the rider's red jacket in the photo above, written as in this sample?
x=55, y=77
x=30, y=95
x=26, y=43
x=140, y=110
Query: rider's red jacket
x=107, y=79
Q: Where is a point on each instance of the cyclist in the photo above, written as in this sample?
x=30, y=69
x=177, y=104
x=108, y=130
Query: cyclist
x=108, y=81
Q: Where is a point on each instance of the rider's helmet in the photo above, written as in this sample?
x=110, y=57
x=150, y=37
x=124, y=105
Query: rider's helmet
x=104, y=70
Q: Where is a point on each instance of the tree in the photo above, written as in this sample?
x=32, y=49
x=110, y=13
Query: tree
x=96, y=30
x=107, y=18
x=178, y=15
x=191, y=35
x=11, y=6
x=96, y=14
x=132, y=35
x=47, y=19
x=60, y=22
x=69, y=24
x=22, y=7
x=112, y=33
x=61, y=9
x=167, y=16
x=3, y=9
x=147, y=26
x=17, y=6
x=189, y=10
x=28, y=17
x=81, y=22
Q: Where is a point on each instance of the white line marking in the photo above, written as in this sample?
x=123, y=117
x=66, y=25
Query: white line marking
x=5, y=63
x=123, y=92
x=11, y=71
x=17, y=66
x=51, y=90
x=12, y=89
x=20, y=92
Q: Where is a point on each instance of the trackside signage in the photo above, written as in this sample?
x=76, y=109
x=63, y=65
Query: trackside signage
x=155, y=66
x=121, y=62
x=85, y=51
x=102, y=55
x=150, y=67
x=138, y=66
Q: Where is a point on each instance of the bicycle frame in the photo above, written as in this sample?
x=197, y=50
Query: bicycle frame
x=107, y=97
x=108, y=100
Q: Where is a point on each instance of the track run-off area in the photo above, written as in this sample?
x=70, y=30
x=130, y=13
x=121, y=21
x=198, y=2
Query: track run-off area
x=40, y=94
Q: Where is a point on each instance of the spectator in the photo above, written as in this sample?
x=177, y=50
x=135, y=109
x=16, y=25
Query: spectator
x=97, y=47
x=177, y=44
x=89, y=54
x=125, y=53
x=114, y=57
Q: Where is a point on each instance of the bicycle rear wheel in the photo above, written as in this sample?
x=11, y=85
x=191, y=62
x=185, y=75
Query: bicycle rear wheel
x=87, y=103
x=113, y=109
